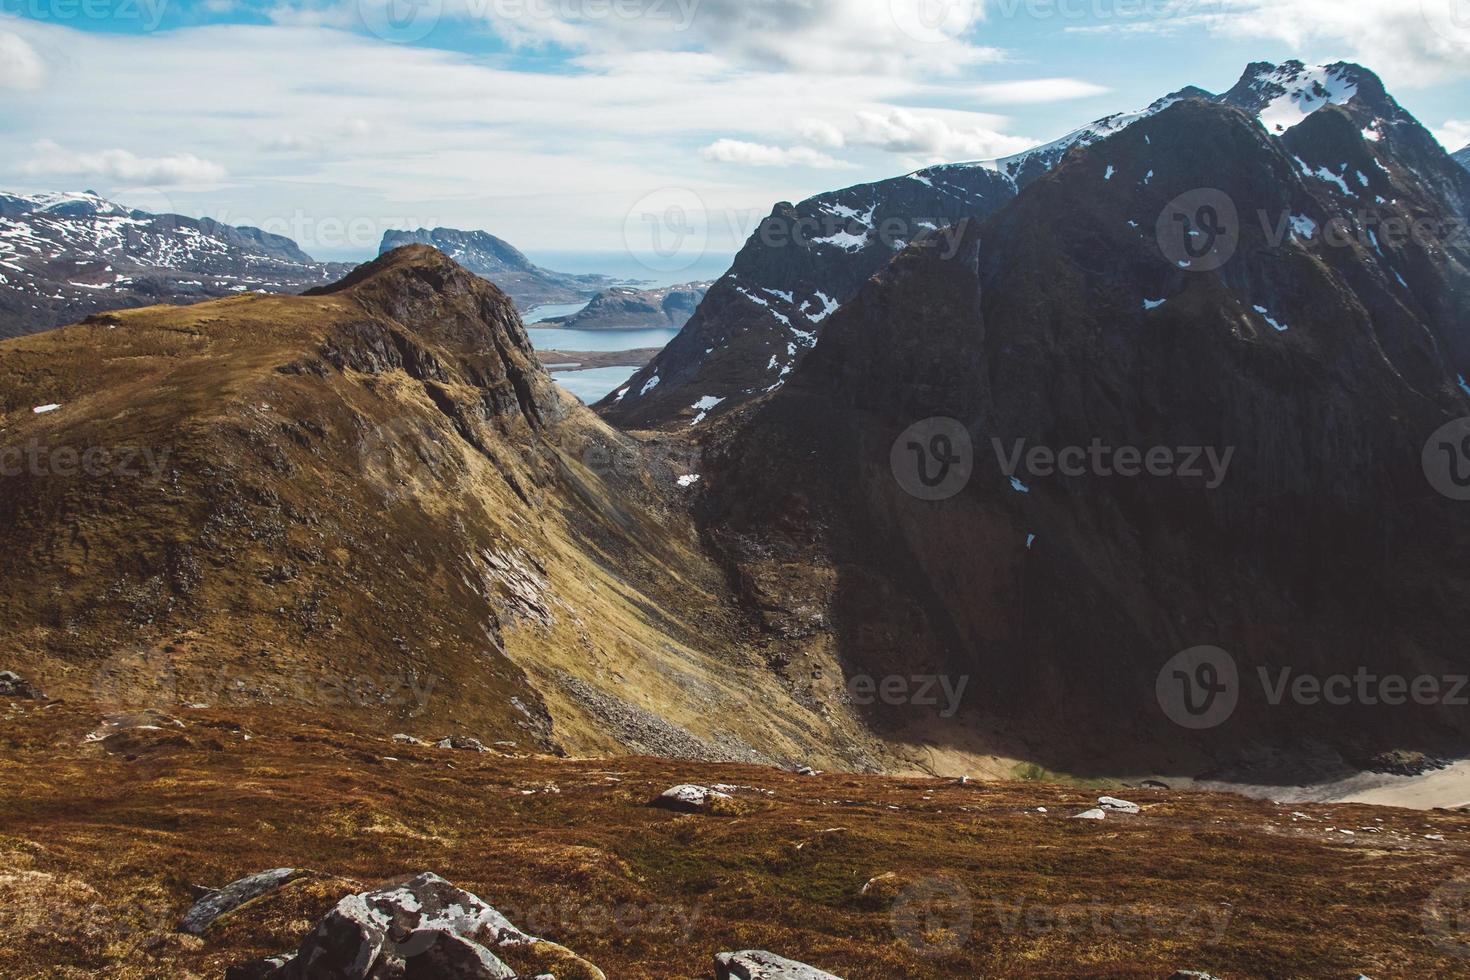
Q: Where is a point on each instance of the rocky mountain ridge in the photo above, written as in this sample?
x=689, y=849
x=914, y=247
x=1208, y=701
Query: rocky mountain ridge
x=732, y=350
x=760, y=318
x=371, y=499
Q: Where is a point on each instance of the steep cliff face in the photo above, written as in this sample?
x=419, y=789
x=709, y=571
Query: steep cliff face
x=1192, y=286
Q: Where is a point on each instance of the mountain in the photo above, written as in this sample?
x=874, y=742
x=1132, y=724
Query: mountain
x=371, y=503
x=800, y=265
x=1030, y=164
x=1317, y=355
x=624, y=307
x=1462, y=157
x=492, y=258
x=731, y=351
x=65, y=256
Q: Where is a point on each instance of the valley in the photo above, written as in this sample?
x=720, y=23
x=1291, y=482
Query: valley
x=1045, y=566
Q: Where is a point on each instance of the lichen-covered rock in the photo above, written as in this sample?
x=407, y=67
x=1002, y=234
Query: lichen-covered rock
x=1118, y=806
x=12, y=685
x=757, y=964
x=689, y=798
x=421, y=929
x=215, y=904
x=461, y=742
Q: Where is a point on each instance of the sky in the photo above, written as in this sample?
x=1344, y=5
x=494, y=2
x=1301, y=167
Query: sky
x=659, y=129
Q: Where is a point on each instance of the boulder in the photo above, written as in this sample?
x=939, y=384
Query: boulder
x=12, y=685
x=215, y=904
x=403, y=739
x=461, y=742
x=757, y=964
x=1093, y=814
x=421, y=929
x=1118, y=806
x=689, y=798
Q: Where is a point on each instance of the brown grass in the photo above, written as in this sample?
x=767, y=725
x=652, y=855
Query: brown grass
x=100, y=843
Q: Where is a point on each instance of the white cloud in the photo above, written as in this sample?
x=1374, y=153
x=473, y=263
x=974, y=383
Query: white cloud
x=455, y=139
x=819, y=132
x=1408, y=42
x=1035, y=90
x=846, y=37
x=761, y=155
x=20, y=66
x=121, y=165
x=1454, y=134
x=931, y=137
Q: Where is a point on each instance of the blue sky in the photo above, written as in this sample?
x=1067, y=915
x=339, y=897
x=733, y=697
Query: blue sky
x=581, y=125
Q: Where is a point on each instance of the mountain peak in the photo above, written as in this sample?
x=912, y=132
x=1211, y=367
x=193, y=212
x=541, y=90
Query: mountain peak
x=1285, y=94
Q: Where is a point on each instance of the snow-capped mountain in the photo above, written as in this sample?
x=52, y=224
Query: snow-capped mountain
x=65, y=256
x=495, y=259
x=1026, y=166
x=802, y=263
x=760, y=319
x=1325, y=356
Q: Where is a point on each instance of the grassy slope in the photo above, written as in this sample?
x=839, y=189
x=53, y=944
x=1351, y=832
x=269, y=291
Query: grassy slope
x=99, y=843
x=317, y=528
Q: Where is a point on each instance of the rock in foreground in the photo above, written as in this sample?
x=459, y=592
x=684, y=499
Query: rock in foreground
x=424, y=927
x=757, y=964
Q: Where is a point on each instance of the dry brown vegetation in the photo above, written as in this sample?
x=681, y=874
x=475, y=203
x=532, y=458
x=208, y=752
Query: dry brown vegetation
x=100, y=842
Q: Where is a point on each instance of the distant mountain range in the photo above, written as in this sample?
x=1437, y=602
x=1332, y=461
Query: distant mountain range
x=1462, y=157
x=625, y=307
x=65, y=256
x=526, y=283
x=806, y=260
